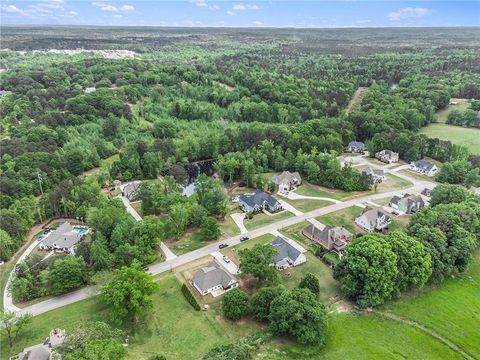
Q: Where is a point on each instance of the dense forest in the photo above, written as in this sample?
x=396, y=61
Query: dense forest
x=254, y=101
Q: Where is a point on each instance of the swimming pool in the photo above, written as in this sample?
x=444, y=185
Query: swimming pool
x=80, y=229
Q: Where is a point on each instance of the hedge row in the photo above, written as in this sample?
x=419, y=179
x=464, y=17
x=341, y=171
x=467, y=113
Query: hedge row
x=190, y=298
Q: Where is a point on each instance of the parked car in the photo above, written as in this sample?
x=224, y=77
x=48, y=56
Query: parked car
x=395, y=212
x=221, y=246
x=146, y=268
x=226, y=259
x=244, y=238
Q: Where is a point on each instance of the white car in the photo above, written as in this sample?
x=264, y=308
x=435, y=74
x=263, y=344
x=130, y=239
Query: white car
x=226, y=259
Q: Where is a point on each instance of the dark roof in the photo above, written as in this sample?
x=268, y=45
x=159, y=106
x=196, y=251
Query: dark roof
x=211, y=276
x=424, y=164
x=426, y=192
x=357, y=144
x=258, y=198
x=285, y=250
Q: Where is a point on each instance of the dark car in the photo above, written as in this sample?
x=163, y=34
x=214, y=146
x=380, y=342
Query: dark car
x=221, y=246
x=146, y=269
x=244, y=238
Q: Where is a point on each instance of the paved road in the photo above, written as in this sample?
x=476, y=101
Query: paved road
x=209, y=249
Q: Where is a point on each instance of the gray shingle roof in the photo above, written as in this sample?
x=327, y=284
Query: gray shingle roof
x=356, y=144
x=211, y=276
x=372, y=171
x=36, y=353
x=371, y=215
x=285, y=250
x=258, y=198
x=63, y=237
x=287, y=177
x=424, y=164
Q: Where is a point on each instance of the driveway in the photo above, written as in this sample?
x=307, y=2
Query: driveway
x=168, y=265
x=129, y=207
x=238, y=219
x=231, y=267
x=289, y=207
x=167, y=252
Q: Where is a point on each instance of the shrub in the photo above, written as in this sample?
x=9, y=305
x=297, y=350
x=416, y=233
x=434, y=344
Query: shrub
x=235, y=304
x=311, y=283
x=190, y=298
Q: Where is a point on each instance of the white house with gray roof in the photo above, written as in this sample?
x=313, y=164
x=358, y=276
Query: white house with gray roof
x=356, y=147
x=289, y=253
x=259, y=201
x=424, y=167
x=63, y=239
x=287, y=180
x=373, y=220
x=213, y=279
x=378, y=175
x=130, y=190
x=407, y=203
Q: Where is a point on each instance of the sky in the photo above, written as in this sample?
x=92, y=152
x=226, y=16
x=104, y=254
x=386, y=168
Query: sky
x=229, y=13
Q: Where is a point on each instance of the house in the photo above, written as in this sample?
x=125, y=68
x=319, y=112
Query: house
x=474, y=190
x=213, y=278
x=407, y=204
x=356, y=147
x=130, y=190
x=377, y=175
x=331, y=238
x=426, y=192
x=89, y=90
x=259, y=201
x=63, y=239
x=424, y=167
x=43, y=351
x=289, y=253
x=373, y=220
x=387, y=156
x=287, y=180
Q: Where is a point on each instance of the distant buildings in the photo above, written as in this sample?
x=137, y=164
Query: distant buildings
x=331, y=238
x=372, y=220
x=188, y=190
x=259, y=201
x=63, y=239
x=387, y=156
x=289, y=253
x=424, y=167
x=407, y=204
x=377, y=175
x=89, y=90
x=287, y=180
x=356, y=147
x=213, y=279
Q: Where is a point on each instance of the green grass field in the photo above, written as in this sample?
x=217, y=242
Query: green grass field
x=228, y=227
x=262, y=219
x=188, y=242
x=468, y=137
x=345, y=218
x=442, y=115
x=306, y=205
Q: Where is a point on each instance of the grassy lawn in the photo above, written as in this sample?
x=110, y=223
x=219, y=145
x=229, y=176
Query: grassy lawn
x=295, y=232
x=416, y=175
x=228, y=227
x=137, y=205
x=363, y=337
x=262, y=219
x=442, y=115
x=392, y=182
x=467, y=137
x=306, y=205
x=163, y=334
x=232, y=252
x=399, y=223
x=452, y=309
x=189, y=242
x=345, y=218
x=104, y=165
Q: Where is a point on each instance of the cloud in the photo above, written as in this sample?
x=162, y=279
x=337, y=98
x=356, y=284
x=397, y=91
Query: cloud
x=105, y=7
x=231, y=13
x=408, y=13
x=12, y=9
x=243, y=7
x=202, y=3
x=257, y=23
x=127, y=8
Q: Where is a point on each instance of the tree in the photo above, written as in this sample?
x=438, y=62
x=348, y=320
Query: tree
x=7, y=246
x=414, y=263
x=157, y=357
x=262, y=300
x=235, y=304
x=107, y=349
x=12, y=325
x=128, y=293
x=211, y=195
x=311, y=283
x=67, y=274
x=368, y=271
x=209, y=229
x=257, y=261
x=447, y=193
x=299, y=314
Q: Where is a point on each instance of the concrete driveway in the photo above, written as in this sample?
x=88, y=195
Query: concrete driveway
x=238, y=219
x=289, y=207
x=231, y=267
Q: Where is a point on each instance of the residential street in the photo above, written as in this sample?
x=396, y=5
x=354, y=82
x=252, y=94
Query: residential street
x=172, y=263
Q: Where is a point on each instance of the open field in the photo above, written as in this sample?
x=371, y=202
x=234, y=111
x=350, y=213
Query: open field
x=104, y=166
x=442, y=115
x=188, y=242
x=228, y=227
x=416, y=175
x=468, y=137
x=345, y=218
x=452, y=309
x=306, y=205
x=262, y=219
x=366, y=337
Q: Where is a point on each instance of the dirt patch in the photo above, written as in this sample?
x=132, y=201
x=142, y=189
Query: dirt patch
x=356, y=99
x=342, y=305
